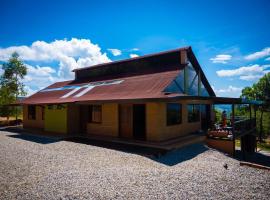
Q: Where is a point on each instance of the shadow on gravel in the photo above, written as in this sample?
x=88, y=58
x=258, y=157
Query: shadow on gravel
x=162, y=156
x=257, y=158
x=36, y=139
x=169, y=158
x=128, y=148
x=21, y=134
x=180, y=155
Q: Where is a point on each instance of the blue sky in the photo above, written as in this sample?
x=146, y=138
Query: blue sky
x=230, y=38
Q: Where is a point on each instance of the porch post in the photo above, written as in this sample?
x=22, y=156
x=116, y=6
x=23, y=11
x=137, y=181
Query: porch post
x=255, y=121
x=250, y=114
x=233, y=132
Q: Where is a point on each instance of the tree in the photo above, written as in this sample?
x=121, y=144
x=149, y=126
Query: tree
x=259, y=91
x=11, y=85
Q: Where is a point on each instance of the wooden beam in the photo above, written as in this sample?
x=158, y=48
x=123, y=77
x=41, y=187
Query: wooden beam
x=233, y=131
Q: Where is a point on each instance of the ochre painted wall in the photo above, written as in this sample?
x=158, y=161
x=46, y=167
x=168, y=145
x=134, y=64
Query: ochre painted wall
x=56, y=120
x=156, y=127
x=38, y=123
x=226, y=146
x=109, y=125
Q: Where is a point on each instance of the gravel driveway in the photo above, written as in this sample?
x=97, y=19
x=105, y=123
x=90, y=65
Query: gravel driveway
x=44, y=168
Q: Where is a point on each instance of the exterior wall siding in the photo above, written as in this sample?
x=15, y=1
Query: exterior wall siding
x=38, y=123
x=56, y=120
x=109, y=125
x=156, y=127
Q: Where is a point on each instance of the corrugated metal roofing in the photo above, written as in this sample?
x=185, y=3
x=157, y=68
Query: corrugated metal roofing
x=133, y=87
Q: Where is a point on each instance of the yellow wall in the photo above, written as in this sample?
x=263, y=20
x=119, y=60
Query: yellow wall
x=38, y=123
x=156, y=127
x=226, y=146
x=56, y=119
x=109, y=125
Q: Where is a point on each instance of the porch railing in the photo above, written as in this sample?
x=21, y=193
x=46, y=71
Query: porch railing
x=244, y=126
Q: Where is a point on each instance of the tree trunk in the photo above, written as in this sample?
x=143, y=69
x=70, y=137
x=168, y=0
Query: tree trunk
x=261, y=126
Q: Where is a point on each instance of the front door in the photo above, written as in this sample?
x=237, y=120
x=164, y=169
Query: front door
x=139, y=121
x=205, y=117
x=125, y=120
x=132, y=121
x=84, y=116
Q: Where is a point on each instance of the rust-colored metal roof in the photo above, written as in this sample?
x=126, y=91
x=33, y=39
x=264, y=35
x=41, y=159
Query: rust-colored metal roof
x=134, y=87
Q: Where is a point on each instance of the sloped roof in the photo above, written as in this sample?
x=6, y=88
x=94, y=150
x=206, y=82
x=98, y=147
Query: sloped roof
x=134, y=87
x=144, y=77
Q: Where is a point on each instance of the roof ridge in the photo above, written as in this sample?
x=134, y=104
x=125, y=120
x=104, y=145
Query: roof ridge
x=132, y=59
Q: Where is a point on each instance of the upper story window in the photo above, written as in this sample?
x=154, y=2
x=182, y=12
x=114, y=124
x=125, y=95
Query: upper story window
x=95, y=113
x=174, y=113
x=32, y=112
x=193, y=112
x=189, y=82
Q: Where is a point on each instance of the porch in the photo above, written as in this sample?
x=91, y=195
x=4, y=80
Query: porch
x=240, y=126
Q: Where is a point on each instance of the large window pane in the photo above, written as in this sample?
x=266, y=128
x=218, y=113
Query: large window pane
x=192, y=80
x=193, y=112
x=177, y=85
x=174, y=113
x=204, y=91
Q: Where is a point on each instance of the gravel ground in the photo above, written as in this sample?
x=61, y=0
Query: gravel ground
x=53, y=169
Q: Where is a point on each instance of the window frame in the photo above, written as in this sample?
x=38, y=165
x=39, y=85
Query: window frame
x=194, y=118
x=169, y=112
x=92, y=110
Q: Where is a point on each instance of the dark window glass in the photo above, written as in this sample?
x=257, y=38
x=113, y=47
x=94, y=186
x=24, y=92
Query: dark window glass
x=193, y=112
x=95, y=113
x=174, y=113
x=32, y=112
x=50, y=107
x=60, y=107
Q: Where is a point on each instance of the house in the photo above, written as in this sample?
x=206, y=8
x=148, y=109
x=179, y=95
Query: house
x=154, y=98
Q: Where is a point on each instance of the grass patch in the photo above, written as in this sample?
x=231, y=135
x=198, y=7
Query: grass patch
x=265, y=146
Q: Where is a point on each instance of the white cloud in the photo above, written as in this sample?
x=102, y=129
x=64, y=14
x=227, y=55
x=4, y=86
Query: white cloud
x=70, y=54
x=267, y=59
x=230, y=91
x=1, y=70
x=115, y=52
x=67, y=54
x=259, y=54
x=247, y=73
x=250, y=77
x=38, y=78
x=132, y=55
x=222, y=58
x=134, y=49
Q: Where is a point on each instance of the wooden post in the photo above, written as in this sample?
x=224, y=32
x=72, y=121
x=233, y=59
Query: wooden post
x=250, y=114
x=255, y=121
x=233, y=132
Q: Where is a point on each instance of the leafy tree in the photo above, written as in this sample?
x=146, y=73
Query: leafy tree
x=259, y=91
x=11, y=85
